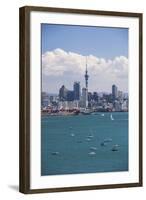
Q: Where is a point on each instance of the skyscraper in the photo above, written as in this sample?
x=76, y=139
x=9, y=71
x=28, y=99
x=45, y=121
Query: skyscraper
x=95, y=96
x=77, y=92
x=63, y=93
x=84, y=97
x=114, y=92
x=70, y=95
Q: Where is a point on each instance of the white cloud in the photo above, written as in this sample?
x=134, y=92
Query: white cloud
x=61, y=64
x=58, y=62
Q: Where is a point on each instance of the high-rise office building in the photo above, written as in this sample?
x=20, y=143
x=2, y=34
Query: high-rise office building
x=77, y=90
x=90, y=96
x=70, y=95
x=120, y=95
x=85, y=97
x=44, y=99
x=63, y=93
x=95, y=96
x=114, y=92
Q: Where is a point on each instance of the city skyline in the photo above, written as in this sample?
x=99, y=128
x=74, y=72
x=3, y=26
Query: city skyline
x=65, y=62
x=99, y=92
x=80, y=100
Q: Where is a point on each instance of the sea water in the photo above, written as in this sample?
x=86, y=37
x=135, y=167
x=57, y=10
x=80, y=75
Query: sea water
x=84, y=143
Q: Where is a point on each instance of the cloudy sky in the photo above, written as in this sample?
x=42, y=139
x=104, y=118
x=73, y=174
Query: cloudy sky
x=64, y=53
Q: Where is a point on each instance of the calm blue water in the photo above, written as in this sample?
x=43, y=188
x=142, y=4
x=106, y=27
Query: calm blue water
x=75, y=137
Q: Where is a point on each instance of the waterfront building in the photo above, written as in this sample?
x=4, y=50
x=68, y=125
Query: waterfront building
x=68, y=105
x=77, y=90
x=76, y=104
x=125, y=105
x=53, y=98
x=44, y=99
x=62, y=105
x=117, y=106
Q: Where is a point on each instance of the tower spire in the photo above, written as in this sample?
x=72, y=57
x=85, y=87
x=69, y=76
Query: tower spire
x=86, y=63
x=86, y=75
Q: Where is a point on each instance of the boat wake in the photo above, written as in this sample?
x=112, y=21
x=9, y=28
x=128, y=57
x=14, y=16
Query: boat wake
x=111, y=117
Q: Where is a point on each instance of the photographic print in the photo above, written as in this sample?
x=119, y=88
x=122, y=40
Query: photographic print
x=84, y=105
x=80, y=99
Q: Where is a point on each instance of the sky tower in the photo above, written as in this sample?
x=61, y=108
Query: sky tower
x=86, y=76
x=85, y=90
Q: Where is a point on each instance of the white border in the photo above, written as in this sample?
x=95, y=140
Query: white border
x=132, y=176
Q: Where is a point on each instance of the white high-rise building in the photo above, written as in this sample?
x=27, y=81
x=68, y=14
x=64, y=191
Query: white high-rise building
x=84, y=97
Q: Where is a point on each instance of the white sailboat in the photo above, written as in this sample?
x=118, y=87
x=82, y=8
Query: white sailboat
x=112, y=117
x=93, y=148
x=72, y=134
x=92, y=153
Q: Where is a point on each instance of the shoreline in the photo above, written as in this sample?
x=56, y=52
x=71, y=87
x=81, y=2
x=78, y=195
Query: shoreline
x=80, y=113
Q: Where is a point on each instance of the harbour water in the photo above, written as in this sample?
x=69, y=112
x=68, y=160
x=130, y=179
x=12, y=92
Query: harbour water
x=84, y=143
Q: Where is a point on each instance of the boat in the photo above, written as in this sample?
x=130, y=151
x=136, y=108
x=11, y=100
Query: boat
x=88, y=139
x=86, y=111
x=72, y=134
x=92, y=153
x=93, y=148
x=103, y=144
x=111, y=117
x=55, y=153
x=115, y=147
x=90, y=136
x=108, y=140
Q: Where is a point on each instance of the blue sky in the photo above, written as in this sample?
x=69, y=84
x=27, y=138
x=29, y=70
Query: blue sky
x=64, y=51
x=98, y=41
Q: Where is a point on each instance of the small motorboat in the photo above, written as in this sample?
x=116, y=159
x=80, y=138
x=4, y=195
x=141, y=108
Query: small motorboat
x=92, y=153
x=108, y=140
x=90, y=136
x=55, y=153
x=72, y=134
x=103, y=144
x=88, y=139
x=115, y=147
